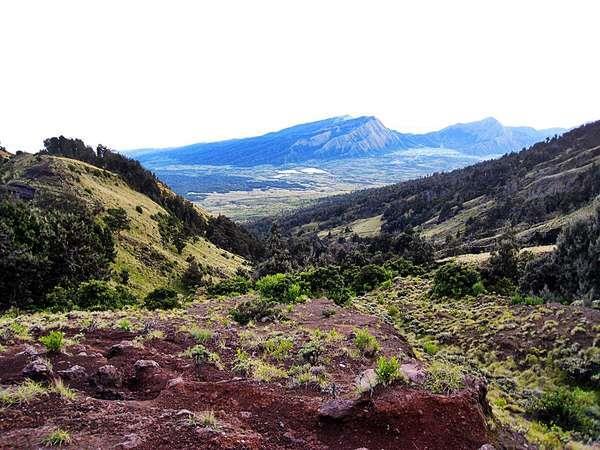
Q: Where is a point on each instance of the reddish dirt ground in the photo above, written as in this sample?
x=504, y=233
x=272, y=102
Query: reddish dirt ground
x=150, y=409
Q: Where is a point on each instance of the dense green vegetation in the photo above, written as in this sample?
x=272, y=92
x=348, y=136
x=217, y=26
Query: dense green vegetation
x=503, y=187
x=41, y=250
x=183, y=215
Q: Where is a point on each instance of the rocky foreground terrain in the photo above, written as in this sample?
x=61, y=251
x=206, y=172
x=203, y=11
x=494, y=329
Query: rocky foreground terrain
x=305, y=379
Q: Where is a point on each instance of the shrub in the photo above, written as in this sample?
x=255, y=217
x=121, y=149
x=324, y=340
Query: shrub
x=431, y=347
x=242, y=362
x=57, y=438
x=530, y=300
x=443, y=378
x=369, y=277
x=201, y=335
x=161, y=298
x=254, y=309
x=193, y=275
x=365, y=342
x=478, y=288
x=93, y=295
x=388, y=370
x=236, y=285
x=139, y=209
x=312, y=350
x=42, y=249
x=23, y=393
x=198, y=353
x=403, y=267
x=569, y=409
x=124, y=325
x=278, y=347
x=53, y=341
x=455, y=280
x=116, y=219
x=280, y=287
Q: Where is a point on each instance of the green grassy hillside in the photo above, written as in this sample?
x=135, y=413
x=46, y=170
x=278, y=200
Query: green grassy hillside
x=139, y=249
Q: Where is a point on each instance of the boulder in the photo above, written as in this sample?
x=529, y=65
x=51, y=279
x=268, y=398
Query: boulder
x=337, y=409
x=38, y=370
x=74, y=373
x=366, y=380
x=144, y=365
x=118, y=349
x=107, y=376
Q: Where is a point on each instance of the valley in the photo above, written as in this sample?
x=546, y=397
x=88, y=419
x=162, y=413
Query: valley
x=250, y=178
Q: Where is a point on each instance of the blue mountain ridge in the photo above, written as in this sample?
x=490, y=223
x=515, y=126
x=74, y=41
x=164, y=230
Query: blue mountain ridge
x=342, y=138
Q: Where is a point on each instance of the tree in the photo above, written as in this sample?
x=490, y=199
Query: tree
x=42, y=249
x=117, y=220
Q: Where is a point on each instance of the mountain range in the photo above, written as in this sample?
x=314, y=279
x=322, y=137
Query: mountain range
x=345, y=137
x=535, y=191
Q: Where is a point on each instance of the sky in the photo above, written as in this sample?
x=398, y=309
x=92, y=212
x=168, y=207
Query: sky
x=134, y=74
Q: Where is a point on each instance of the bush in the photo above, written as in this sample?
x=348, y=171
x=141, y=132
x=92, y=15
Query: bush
x=280, y=287
x=569, y=409
x=254, y=309
x=455, y=280
x=53, y=341
x=365, y=342
x=369, y=277
x=403, y=267
x=236, y=285
x=193, y=275
x=42, y=249
x=57, y=438
x=116, y=219
x=530, y=300
x=388, y=370
x=443, y=378
x=161, y=298
x=93, y=295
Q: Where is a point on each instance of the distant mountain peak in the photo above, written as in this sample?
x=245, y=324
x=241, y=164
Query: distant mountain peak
x=344, y=137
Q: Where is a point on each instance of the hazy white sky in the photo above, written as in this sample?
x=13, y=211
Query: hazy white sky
x=144, y=73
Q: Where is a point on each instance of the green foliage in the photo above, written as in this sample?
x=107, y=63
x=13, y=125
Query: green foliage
x=193, y=275
x=24, y=393
x=231, y=286
x=329, y=281
x=282, y=288
x=172, y=231
x=455, y=280
x=312, y=350
x=531, y=300
x=369, y=277
x=242, y=362
x=403, y=267
x=366, y=343
x=443, y=377
x=255, y=309
x=388, y=370
x=162, y=298
x=479, y=288
x=116, y=219
x=201, y=335
x=93, y=295
x=278, y=347
x=57, y=438
x=431, y=347
x=571, y=409
x=42, y=249
x=198, y=353
x=53, y=341
x=124, y=325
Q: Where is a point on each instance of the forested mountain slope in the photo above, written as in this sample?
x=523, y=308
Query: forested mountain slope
x=534, y=190
x=60, y=183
